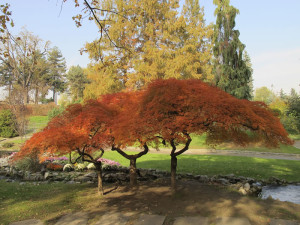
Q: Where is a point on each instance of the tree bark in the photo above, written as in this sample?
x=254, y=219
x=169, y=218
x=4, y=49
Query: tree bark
x=36, y=97
x=173, y=171
x=133, y=172
x=99, y=175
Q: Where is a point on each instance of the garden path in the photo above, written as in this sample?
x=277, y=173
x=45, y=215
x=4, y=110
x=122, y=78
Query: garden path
x=266, y=155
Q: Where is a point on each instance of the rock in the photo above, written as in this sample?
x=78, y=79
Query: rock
x=91, y=175
x=47, y=175
x=247, y=187
x=242, y=191
x=71, y=182
x=223, y=181
x=83, y=179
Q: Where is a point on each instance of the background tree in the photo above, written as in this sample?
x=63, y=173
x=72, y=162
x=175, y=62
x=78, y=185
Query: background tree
x=5, y=18
x=76, y=80
x=19, y=58
x=232, y=74
x=151, y=40
x=8, y=127
x=57, y=71
x=264, y=94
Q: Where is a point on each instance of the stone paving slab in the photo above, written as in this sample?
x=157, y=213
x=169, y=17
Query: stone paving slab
x=150, y=220
x=28, y=222
x=79, y=218
x=283, y=222
x=232, y=221
x=191, y=220
x=114, y=219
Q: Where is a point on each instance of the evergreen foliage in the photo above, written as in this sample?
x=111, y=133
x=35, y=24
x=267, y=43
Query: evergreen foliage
x=7, y=124
x=232, y=74
x=77, y=80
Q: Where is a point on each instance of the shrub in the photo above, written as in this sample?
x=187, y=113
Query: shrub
x=41, y=109
x=31, y=164
x=290, y=123
x=7, y=124
x=80, y=166
x=54, y=167
x=68, y=167
x=91, y=166
x=109, y=162
x=7, y=145
x=55, y=112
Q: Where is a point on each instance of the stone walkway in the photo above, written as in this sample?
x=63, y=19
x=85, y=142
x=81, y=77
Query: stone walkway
x=128, y=218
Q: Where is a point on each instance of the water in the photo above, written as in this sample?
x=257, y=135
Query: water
x=290, y=193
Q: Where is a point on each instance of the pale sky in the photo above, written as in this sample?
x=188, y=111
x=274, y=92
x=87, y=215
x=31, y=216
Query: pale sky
x=270, y=29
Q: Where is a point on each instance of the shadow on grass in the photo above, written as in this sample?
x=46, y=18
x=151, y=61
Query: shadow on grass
x=195, y=199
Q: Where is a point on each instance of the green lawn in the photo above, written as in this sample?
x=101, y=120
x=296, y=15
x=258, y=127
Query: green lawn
x=214, y=165
x=37, y=123
x=19, y=202
x=198, y=142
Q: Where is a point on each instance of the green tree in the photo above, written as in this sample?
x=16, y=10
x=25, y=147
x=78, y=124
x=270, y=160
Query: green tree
x=264, y=94
x=19, y=62
x=294, y=109
x=230, y=68
x=77, y=80
x=57, y=71
x=7, y=124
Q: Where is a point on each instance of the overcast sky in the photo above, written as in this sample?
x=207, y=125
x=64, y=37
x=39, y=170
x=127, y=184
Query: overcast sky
x=270, y=29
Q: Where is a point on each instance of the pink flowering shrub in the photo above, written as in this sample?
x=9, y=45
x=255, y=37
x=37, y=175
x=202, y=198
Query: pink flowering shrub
x=109, y=162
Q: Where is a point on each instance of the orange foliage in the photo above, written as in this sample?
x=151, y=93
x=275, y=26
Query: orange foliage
x=55, y=167
x=175, y=108
x=167, y=109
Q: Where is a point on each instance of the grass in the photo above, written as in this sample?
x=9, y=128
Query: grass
x=21, y=202
x=36, y=123
x=257, y=168
x=198, y=142
x=295, y=136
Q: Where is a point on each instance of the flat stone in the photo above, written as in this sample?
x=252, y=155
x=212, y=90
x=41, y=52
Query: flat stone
x=79, y=218
x=150, y=220
x=28, y=222
x=283, y=222
x=189, y=220
x=113, y=219
x=232, y=221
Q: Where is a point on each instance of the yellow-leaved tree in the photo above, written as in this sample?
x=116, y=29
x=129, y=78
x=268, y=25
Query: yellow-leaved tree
x=147, y=40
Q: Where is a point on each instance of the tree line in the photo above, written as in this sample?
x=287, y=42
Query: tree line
x=140, y=41
x=285, y=106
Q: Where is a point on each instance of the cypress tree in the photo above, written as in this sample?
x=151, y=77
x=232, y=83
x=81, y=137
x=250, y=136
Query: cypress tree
x=232, y=74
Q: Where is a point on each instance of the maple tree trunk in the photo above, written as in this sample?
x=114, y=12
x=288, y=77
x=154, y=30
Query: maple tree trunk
x=133, y=172
x=173, y=171
x=99, y=175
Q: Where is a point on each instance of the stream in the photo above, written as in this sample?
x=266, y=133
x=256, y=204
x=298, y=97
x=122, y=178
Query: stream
x=289, y=193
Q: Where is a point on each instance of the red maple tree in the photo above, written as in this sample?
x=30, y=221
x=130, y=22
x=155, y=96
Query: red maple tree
x=174, y=109
x=167, y=111
x=81, y=129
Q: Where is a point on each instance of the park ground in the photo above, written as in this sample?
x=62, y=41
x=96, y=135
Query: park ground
x=191, y=199
x=49, y=202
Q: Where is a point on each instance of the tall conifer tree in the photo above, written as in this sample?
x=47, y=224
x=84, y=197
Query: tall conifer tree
x=232, y=74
